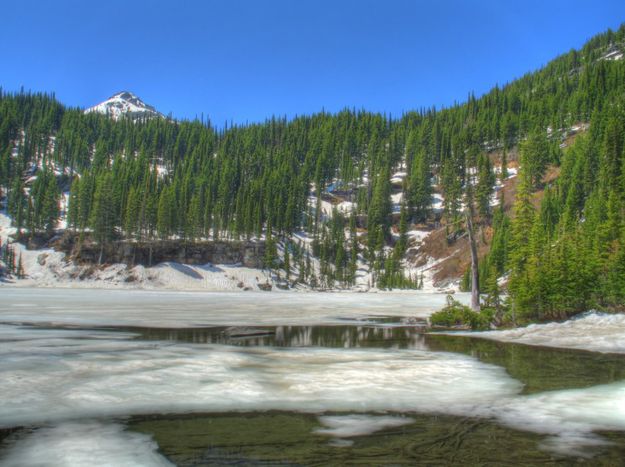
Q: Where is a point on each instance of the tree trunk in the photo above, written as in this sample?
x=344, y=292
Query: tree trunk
x=475, y=276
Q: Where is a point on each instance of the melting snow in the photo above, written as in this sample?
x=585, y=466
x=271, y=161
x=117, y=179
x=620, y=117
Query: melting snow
x=83, y=443
x=592, y=331
x=81, y=374
x=346, y=426
x=56, y=376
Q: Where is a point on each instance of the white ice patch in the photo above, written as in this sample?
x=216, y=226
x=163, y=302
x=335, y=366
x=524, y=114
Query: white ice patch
x=86, y=375
x=84, y=443
x=347, y=426
x=596, y=332
x=569, y=416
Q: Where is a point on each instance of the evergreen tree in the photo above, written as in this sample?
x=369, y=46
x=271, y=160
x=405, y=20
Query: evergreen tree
x=101, y=217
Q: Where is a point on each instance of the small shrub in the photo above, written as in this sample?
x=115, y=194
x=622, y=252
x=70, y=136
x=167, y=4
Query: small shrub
x=457, y=314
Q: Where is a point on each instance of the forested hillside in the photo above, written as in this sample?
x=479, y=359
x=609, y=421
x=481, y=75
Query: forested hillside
x=332, y=194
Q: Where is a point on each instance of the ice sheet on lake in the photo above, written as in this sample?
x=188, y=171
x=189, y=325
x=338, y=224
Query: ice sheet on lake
x=570, y=416
x=592, y=331
x=192, y=309
x=55, y=376
x=84, y=443
x=58, y=375
x=87, y=375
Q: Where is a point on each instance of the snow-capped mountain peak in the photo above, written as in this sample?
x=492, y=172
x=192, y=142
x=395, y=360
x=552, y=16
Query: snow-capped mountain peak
x=124, y=103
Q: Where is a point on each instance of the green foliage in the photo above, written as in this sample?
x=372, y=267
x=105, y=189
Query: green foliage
x=457, y=314
x=419, y=189
x=534, y=157
x=484, y=189
x=162, y=179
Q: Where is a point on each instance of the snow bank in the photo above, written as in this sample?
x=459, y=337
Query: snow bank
x=592, y=331
x=346, y=207
x=418, y=235
x=50, y=268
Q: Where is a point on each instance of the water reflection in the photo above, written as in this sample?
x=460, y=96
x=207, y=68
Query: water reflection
x=296, y=336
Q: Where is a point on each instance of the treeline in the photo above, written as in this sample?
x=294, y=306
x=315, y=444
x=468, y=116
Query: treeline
x=568, y=254
x=10, y=262
x=158, y=178
x=564, y=249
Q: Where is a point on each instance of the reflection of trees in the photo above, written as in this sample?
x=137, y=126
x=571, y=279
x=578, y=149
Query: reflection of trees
x=296, y=336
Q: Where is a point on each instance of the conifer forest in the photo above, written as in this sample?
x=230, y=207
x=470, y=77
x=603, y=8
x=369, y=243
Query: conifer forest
x=330, y=193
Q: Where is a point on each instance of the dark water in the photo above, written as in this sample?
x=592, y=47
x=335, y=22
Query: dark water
x=285, y=439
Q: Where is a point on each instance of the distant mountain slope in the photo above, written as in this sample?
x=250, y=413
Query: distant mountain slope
x=124, y=103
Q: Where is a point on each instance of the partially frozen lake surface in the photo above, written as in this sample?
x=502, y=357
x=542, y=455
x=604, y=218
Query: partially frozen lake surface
x=150, y=378
x=199, y=309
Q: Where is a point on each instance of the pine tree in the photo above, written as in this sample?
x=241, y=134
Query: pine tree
x=534, y=156
x=101, y=217
x=484, y=189
x=20, y=268
x=419, y=187
x=287, y=263
x=17, y=204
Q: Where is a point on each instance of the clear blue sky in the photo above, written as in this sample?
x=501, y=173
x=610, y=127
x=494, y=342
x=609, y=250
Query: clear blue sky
x=243, y=61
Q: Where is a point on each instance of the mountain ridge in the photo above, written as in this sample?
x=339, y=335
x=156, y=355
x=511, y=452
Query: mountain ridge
x=124, y=104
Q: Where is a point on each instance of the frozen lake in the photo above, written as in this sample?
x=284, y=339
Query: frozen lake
x=200, y=309
x=150, y=378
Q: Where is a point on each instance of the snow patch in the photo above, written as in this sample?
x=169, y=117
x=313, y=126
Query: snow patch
x=82, y=443
x=123, y=103
x=592, y=331
x=347, y=426
x=398, y=178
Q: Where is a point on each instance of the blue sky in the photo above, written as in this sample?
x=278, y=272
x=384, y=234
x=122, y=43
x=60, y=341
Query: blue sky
x=244, y=61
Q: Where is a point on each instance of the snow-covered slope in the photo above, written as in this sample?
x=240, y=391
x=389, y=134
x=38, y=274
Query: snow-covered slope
x=124, y=104
x=49, y=268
